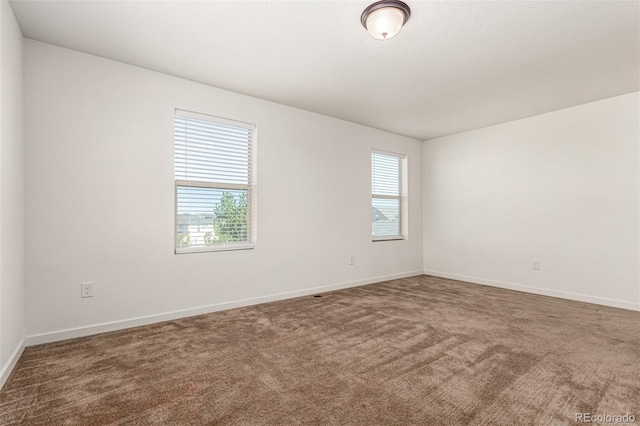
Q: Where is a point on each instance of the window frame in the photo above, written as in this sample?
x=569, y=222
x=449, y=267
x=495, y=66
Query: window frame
x=249, y=187
x=402, y=197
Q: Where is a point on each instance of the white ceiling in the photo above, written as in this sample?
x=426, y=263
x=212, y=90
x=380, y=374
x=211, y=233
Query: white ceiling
x=455, y=66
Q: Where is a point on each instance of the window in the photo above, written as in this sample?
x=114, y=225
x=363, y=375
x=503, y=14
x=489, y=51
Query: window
x=214, y=183
x=388, y=196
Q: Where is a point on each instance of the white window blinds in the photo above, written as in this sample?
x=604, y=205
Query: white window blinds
x=214, y=183
x=388, y=203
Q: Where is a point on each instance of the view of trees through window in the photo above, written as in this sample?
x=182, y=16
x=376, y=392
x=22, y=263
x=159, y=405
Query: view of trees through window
x=221, y=220
x=230, y=220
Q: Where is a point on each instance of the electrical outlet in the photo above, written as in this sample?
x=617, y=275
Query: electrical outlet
x=86, y=290
x=536, y=265
x=352, y=260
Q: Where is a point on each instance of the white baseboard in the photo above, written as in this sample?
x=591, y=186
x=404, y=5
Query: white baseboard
x=538, y=290
x=11, y=363
x=71, y=333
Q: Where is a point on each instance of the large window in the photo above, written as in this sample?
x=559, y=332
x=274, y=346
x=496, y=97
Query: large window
x=214, y=183
x=388, y=196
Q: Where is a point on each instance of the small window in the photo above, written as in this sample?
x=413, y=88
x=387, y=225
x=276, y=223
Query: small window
x=388, y=196
x=214, y=183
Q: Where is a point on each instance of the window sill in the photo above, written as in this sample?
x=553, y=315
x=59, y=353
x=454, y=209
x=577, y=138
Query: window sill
x=396, y=238
x=230, y=247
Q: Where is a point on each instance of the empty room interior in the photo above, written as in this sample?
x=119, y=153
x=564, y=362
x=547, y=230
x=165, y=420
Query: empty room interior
x=319, y=212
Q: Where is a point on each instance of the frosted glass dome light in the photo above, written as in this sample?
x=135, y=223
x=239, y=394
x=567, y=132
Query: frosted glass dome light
x=384, y=19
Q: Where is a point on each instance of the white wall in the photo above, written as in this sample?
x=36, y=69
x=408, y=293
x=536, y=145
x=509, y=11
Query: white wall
x=99, y=155
x=11, y=192
x=561, y=187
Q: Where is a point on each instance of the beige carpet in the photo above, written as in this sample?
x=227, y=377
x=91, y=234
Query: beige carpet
x=416, y=351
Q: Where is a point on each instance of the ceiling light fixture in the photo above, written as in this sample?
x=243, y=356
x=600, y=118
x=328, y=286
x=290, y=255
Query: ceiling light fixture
x=384, y=19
